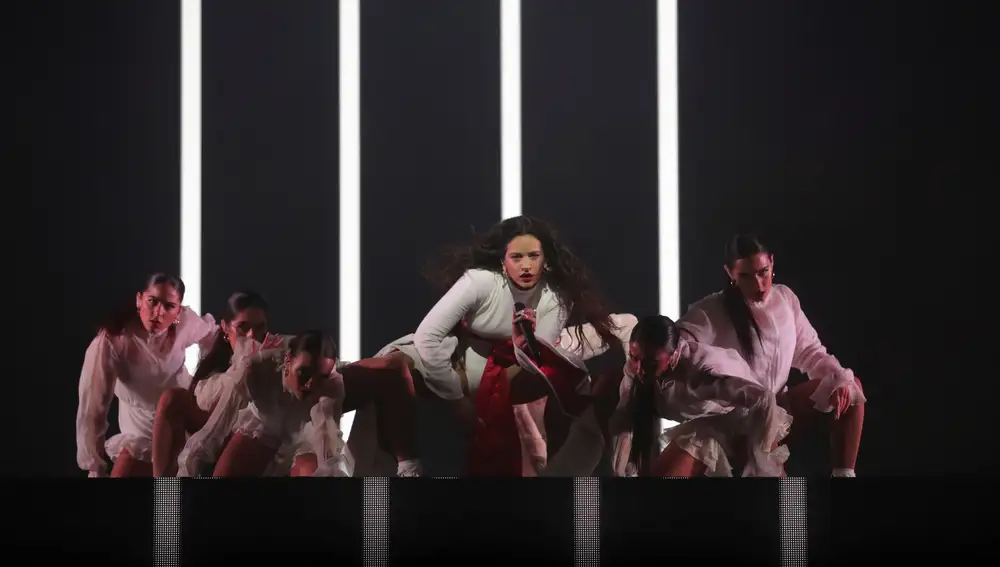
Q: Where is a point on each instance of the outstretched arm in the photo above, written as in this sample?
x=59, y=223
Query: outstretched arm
x=812, y=358
x=96, y=390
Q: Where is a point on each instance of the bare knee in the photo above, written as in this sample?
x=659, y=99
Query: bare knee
x=174, y=401
x=305, y=465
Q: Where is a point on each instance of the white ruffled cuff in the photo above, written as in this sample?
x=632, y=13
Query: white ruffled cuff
x=830, y=384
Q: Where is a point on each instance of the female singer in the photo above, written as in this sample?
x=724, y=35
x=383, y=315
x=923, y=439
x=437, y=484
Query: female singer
x=765, y=324
x=490, y=344
x=721, y=408
x=183, y=411
x=136, y=356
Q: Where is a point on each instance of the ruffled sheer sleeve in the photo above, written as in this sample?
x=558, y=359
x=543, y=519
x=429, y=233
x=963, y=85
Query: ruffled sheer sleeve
x=812, y=358
x=324, y=435
x=207, y=442
x=96, y=389
x=432, y=340
x=193, y=329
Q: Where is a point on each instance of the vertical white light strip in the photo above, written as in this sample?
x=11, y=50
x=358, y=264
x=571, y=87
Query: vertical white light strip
x=586, y=522
x=793, y=518
x=191, y=160
x=375, y=517
x=667, y=164
x=167, y=522
x=349, y=335
x=667, y=158
x=510, y=108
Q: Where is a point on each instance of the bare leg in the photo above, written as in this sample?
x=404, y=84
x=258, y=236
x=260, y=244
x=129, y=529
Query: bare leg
x=845, y=433
x=127, y=466
x=387, y=382
x=676, y=462
x=244, y=456
x=177, y=414
x=305, y=465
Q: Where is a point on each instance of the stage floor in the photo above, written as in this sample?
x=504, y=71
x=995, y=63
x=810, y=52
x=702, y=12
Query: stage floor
x=558, y=522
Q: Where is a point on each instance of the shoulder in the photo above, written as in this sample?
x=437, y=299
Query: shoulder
x=189, y=319
x=711, y=306
x=479, y=277
x=785, y=293
x=552, y=299
x=108, y=343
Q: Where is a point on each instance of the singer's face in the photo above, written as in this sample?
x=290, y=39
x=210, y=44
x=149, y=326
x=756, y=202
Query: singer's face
x=524, y=261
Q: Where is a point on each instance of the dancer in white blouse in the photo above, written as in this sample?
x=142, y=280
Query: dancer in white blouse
x=471, y=351
x=711, y=392
x=185, y=410
x=766, y=325
x=135, y=357
x=257, y=420
x=277, y=395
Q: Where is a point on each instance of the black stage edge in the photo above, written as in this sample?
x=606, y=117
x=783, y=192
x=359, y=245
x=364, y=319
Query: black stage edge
x=108, y=521
x=478, y=521
x=690, y=521
x=884, y=520
x=273, y=521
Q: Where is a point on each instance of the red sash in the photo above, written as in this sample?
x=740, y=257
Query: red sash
x=496, y=442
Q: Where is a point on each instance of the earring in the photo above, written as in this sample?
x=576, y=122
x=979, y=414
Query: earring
x=732, y=283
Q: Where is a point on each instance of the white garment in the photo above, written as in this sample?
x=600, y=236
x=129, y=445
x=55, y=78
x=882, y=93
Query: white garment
x=787, y=340
x=715, y=397
x=484, y=300
x=253, y=402
x=592, y=344
x=136, y=368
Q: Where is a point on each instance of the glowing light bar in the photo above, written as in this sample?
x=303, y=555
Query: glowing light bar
x=510, y=108
x=191, y=160
x=667, y=163
x=667, y=158
x=349, y=336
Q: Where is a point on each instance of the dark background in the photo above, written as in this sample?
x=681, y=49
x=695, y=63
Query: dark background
x=847, y=133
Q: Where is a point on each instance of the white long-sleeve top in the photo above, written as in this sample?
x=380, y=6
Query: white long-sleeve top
x=484, y=300
x=708, y=382
x=787, y=340
x=136, y=368
x=254, y=402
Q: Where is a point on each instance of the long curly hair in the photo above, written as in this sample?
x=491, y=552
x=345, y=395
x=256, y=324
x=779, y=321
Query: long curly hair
x=566, y=273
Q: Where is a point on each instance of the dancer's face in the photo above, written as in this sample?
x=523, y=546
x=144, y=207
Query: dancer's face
x=753, y=275
x=250, y=323
x=158, y=307
x=524, y=261
x=646, y=362
x=305, y=374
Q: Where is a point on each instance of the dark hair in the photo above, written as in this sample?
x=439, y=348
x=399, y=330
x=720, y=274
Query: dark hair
x=218, y=357
x=567, y=274
x=119, y=320
x=652, y=333
x=740, y=247
x=315, y=343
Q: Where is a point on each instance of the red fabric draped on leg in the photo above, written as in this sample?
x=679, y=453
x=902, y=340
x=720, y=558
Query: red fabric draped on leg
x=496, y=442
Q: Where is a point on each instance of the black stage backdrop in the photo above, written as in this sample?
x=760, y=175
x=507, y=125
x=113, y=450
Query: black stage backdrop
x=844, y=132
